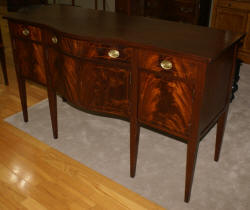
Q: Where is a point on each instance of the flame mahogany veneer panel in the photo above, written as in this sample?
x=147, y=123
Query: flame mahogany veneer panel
x=182, y=67
x=87, y=49
x=165, y=100
x=90, y=86
x=108, y=89
x=165, y=104
x=31, y=60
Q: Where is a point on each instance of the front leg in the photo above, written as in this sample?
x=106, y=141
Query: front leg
x=134, y=144
x=23, y=96
x=192, y=150
x=53, y=111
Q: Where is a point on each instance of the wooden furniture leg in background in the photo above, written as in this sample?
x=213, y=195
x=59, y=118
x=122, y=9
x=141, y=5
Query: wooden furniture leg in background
x=96, y=5
x=72, y=2
x=103, y=5
x=2, y=61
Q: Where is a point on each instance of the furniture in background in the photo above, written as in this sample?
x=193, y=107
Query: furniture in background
x=72, y=2
x=2, y=60
x=15, y=5
x=179, y=85
x=96, y=4
x=234, y=15
x=103, y=5
x=190, y=11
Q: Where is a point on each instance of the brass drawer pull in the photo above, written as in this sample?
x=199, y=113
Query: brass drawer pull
x=26, y=32
x=166, y=65
x=114, y=53
x=54, y=39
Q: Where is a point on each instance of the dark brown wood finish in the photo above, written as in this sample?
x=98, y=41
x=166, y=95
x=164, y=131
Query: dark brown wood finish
x=15, y=5
x=2, y=61
x=190, y=11
x=223, y=118
x=20, y=80
x=74, y=53
x=194, y=42
x=134, y=122
x=30, y=52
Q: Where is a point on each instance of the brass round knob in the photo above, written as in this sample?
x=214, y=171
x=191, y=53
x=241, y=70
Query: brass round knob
x=54, y=39
x=166, y=65
x=114, y=53
x=26, y=32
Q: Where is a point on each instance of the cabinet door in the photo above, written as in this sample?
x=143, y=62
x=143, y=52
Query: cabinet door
x=30, y=60
x=89, y=85
x=229, y=19
x=67, y=76
x=165, y=104
x=108, y=89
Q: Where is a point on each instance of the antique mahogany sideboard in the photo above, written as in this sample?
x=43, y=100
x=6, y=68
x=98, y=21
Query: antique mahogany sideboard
x=172, y=77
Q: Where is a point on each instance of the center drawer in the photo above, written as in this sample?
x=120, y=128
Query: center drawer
x=89, y=49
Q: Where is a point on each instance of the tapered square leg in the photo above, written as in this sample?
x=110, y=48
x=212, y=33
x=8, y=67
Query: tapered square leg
x=53, y=112
x=192, y=150
x=134, y=144
x=220, y=133
x=3, y=64
x=23, y=97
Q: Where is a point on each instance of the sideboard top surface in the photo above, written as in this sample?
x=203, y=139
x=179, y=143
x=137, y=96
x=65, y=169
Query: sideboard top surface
x=202, y=42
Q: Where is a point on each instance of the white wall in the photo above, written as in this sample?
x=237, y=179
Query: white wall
x=110, y=4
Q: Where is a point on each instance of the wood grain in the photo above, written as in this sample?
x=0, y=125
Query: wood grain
x=177, y=101
x=108, y=89
x=182, y=68
x=201, y=43
x=35, y=176
x=165, y=104
x=234, y=16
x=30, y=57
x=35, y=33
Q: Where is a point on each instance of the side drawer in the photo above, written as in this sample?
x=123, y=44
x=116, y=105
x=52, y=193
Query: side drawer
x=24, y=31
x=167, y=65
x=88, y=49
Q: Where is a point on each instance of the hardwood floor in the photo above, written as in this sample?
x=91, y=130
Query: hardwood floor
x=35, y=176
